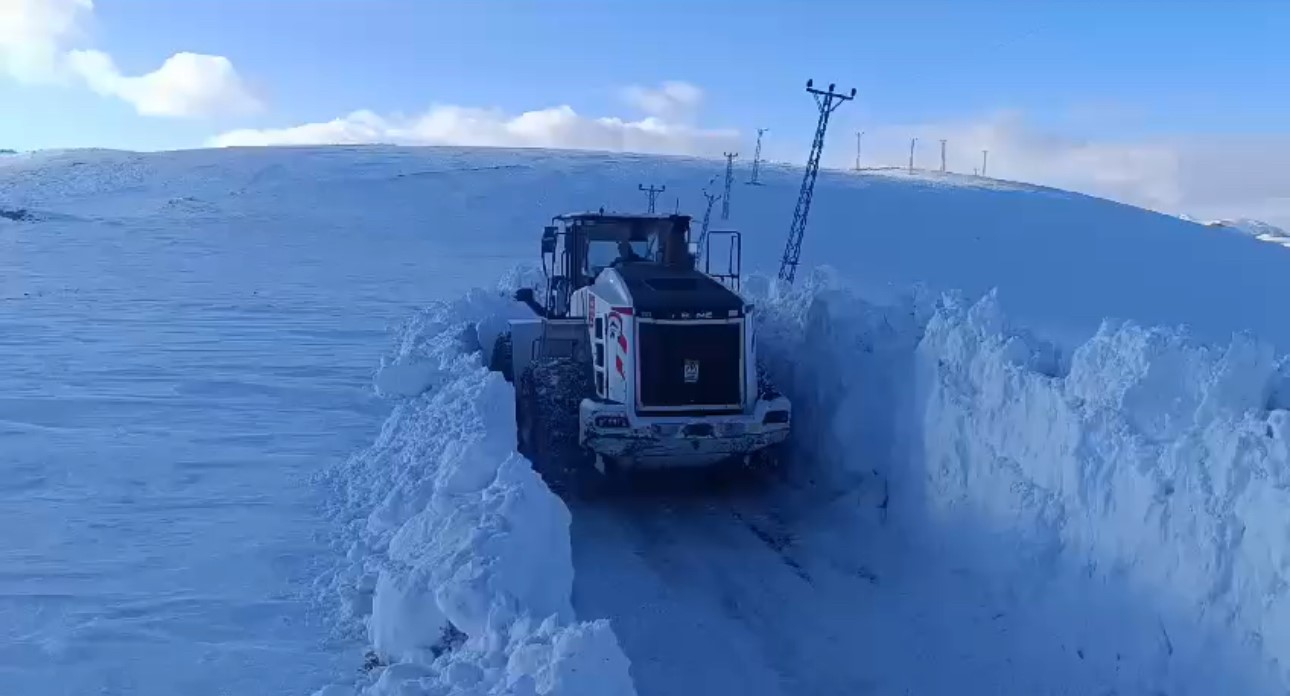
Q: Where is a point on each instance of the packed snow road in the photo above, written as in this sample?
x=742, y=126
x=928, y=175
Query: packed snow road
x=712, y=586
x=755, y=591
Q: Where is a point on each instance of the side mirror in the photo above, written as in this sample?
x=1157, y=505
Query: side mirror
x=548, y=240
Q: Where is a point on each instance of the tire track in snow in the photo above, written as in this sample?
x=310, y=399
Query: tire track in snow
x=783, y=592
x=708, y=595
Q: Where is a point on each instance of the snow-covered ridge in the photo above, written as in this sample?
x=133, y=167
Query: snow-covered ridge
x=1262, y=231
x=458, y=562
x=1129, y=502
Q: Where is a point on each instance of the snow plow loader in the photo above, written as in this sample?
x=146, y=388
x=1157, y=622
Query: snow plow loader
x=634, y=359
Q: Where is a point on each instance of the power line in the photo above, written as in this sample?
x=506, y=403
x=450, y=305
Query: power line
x=826, y=102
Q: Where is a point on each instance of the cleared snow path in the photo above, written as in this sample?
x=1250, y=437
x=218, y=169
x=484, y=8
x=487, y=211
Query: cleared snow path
x=726, y=595
x=711, y=597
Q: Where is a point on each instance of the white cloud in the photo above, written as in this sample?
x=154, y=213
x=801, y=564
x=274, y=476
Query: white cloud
x=558, y=127
x=36, y=40
x=358, y=128
x=1207, y=176
x=34, y=33
x=186, y=85
x=671, y=100
x=1143, y=174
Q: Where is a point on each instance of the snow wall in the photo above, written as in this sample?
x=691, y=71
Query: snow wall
x=458, y=562
x=1128, y=502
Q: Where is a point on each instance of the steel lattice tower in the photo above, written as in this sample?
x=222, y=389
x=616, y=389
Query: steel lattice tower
x=827, y=102
x=730, y=177
x=756, y=168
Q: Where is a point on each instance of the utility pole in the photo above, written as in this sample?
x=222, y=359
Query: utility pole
x=730, y=177
x=756, y=168
x=912, y=142
x=859, y=137
x=985, y=157
x=827, y=103
x=942, y=155
x=653, y=194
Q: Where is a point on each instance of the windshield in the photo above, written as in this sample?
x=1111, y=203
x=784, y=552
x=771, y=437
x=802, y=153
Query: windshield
x=602, y=253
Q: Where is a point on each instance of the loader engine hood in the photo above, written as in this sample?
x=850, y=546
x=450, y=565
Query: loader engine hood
x=689, y=341
x=666, y=292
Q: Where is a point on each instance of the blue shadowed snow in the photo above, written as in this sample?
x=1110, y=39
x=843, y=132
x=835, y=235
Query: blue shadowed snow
x=189, y=338
x=174, y=373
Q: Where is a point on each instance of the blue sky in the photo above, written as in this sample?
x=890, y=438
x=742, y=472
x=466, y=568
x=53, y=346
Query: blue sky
x=1119, y=69
x=1136, y=72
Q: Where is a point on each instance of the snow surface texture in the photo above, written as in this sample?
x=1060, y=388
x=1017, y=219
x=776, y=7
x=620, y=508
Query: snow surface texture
x=1126, y=509
x=459, y=558
x=206, y=323
x=1063, y=261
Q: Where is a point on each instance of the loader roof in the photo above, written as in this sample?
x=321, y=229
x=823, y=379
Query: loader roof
x=667, y=291
x=601, y=215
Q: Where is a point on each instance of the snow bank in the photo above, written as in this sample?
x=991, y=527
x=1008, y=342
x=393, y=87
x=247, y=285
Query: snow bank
x=459, y=564
x=847, y=365
x=1155, y=463
x=1129, y=501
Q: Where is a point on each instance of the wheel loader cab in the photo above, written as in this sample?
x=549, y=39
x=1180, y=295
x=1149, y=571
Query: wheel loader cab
x=577, y=247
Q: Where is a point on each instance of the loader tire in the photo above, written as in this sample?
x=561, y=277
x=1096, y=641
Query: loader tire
x=550, y=392
x=501, y=358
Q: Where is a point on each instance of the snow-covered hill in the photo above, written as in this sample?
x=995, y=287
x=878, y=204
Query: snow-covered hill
x=1262, y=231
x=1001, y=484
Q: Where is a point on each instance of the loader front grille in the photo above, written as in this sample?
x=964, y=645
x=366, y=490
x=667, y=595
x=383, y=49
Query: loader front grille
x=690, y=366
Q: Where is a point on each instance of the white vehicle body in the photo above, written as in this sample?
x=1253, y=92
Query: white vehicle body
x=673, y=352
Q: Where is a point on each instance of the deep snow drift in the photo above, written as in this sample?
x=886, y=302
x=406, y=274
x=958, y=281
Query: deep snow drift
x=962, y=495
x=1103, y=512
x=459, y=556
x=1125, y=508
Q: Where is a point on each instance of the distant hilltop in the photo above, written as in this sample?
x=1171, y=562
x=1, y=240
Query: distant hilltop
x=7, y=152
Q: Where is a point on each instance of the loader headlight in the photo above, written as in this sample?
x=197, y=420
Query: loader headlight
x=778, y=416
x=613, y=421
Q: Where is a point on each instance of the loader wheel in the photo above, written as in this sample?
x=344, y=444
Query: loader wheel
x=525, y=408
x=550, y=392
x=501, y=359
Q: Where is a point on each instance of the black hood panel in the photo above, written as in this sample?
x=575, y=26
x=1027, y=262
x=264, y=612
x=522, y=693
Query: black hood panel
x=665, y=292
